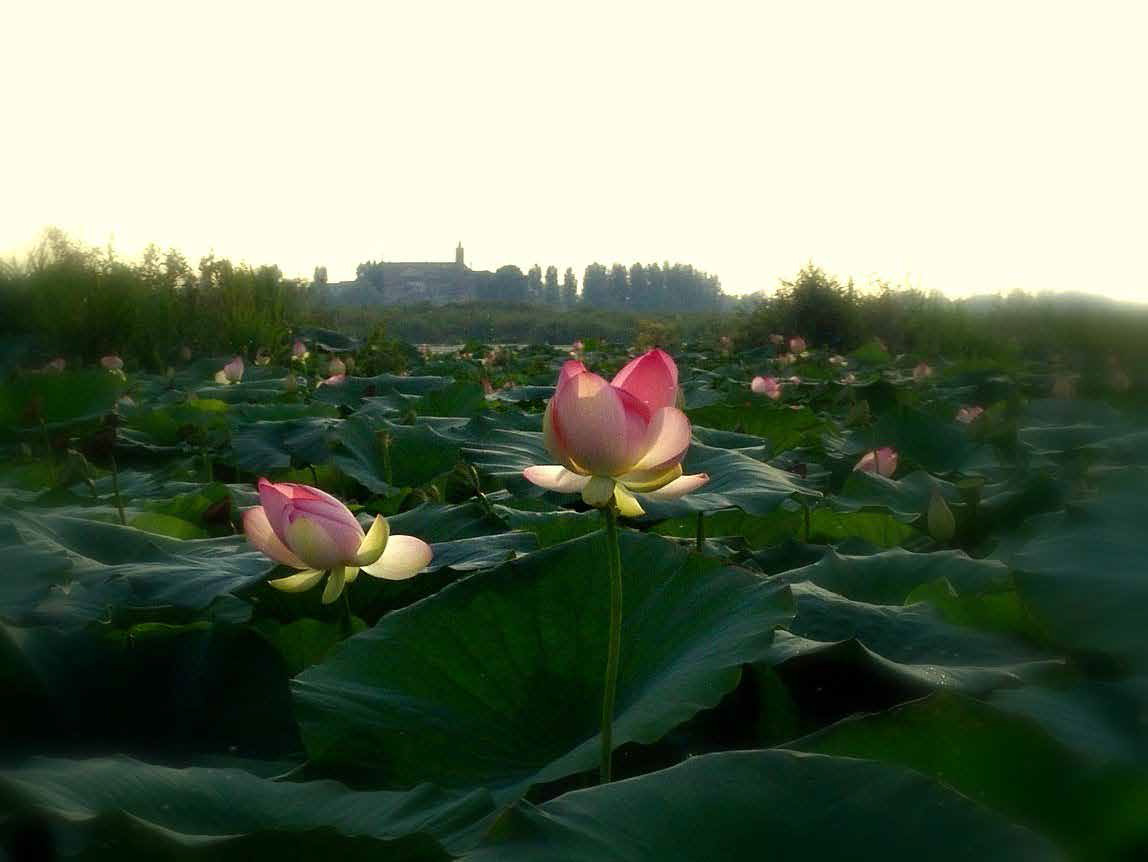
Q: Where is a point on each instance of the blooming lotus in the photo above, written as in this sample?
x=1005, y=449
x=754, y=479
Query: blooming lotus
x=614, y=439
x=232, y=372
x=112, y=362
x=797, y=344
x=766, y=386
x=882, y=461
x=968, y=415
x=922, y=371
x=309, y=530
x=299, y=350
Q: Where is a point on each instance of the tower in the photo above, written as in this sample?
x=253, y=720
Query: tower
x=458, y=259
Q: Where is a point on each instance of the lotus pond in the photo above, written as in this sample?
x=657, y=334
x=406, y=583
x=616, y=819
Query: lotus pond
x=904, y=617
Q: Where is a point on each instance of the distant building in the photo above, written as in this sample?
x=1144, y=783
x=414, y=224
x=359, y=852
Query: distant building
x=411, y=282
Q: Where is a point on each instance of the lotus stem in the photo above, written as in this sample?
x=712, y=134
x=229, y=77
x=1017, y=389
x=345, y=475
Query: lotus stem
x=701, y=537
x=614, y=647
x=116, y=492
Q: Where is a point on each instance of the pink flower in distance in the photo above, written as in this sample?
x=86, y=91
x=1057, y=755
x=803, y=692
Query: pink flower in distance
x=797, y=344
x=232, y=372
x=336, y=366
x=614, y=439
x=333, y=380
x=299, y=350
x=309, y=530
x=922, y=371
x=883, y=461
x=112, y=362
x=766, y=386
x=968, y=415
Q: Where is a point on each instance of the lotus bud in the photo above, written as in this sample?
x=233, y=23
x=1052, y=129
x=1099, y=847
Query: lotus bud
x=922, y=371
x=232, y=372
x=797, y=344
x=766, y=386
x=112, y=362
x=336, y=366
x=299, y=350
x=882, y=461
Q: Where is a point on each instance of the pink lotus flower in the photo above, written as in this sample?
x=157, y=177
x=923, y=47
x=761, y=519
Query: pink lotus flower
x=797, y=344
x=112, y=362
x=883, y=461
x=56, y=365
x=333, y=380
x=766, y=386
x=922, y=371
x=299, y=350
x=308, y=529
x=232, y=372
x=336, y=366
x=618, y=438
x=968, y=415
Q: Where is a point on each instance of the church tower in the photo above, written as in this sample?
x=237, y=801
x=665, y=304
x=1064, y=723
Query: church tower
x=458, y=259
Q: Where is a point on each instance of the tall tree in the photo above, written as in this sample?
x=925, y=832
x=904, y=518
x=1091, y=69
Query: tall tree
x=619, y=289
x=320, y=279
x=534, y=284
x=639, y=288
x=596, y=286
x=569, y=289
x=551, y=293
x=509, y=285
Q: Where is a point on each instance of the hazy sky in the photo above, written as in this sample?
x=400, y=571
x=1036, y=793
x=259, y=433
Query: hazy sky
x=966, y=147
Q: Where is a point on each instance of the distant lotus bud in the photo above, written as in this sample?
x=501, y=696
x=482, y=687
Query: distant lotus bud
x=56, y=365
x=922, y=371
x=766, y=386
x=797, y=344
x=579, y=346
x=232, y=372
x=336, y=367
x=968, y=415
x=112, y=362
x=299, y=350
x=883, y=462
x=794, y=379
x=333, y=380
x=942, y=524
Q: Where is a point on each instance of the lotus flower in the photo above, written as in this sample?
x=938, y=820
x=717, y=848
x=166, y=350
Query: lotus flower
x=968, y=415
x=308, y=529
x=883, y=461
x=766, y=386
x=922, y=371
x=232, y=372
x=299, y=350
x=56, y=365
x=112, y=362
x=333, y=380
x=614, y=439
x=797, y=344
x=336, y=366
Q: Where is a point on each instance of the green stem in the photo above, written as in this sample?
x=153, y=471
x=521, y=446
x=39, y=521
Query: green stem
x=614, y=648
x=348, y=620
x=701, y=538
x=387, y=473
x=116, y=492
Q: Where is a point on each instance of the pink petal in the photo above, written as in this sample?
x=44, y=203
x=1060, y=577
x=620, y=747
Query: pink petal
x=555, y=477
x=596, y=427
x=667, y=439
x=651, y=378
x=570, y=368
x=260, y=534
x=404, y=557
x=550, y=436
x=679, y=487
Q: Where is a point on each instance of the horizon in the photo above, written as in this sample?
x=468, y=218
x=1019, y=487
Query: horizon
x=976, y=153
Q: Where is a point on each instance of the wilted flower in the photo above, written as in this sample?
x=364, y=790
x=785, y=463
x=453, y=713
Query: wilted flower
x=797, y=344
x=618, y=438
x=766, y=386
x=56, y=365
x=299, y=350
x=112, y=362
x=968, y=415
x=308, y=529
x=882, y=461
x=232, y=372
x=922, y=371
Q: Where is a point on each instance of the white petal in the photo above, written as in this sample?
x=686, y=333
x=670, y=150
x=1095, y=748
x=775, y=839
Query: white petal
x=599, y=491
x=299, y=582
x=404, y=557
x=679, y=487
x=626, y=502
x=374, y=542
x=667, y=439
x=555, y=477
x=335, y=585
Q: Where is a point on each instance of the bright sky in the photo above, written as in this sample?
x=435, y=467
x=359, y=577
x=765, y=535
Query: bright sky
x=968, y=147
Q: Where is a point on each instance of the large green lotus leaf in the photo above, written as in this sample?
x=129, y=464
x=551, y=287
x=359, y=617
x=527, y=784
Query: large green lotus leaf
x=936, y=445
x=1007, y=763
x=120, y=808
x=889, y=577
x=915, y=634
x=262, y=447
x=31, y=570
x=416, y=454
x=352, y=390
x=438, y=522
x=497, y=679
x=58, y=399
x=1084, y=572
x=788, y=522
x=745, y=805
x=461, y=398
x=125, y=567
x=908, y=498
x=755, y=447
x=553, y=527
x=746, y=413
